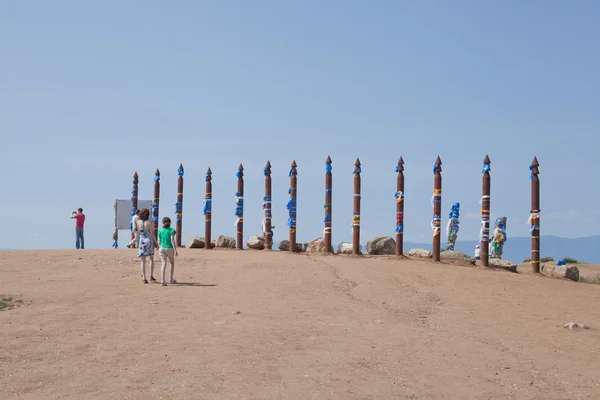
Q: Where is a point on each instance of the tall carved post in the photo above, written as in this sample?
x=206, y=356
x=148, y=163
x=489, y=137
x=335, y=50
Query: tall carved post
x=239, y=210
x=437, y=208
x=155, y=204
x=484, y=234
x=208, y=210
x=356, y=216
x=400, y=208
x=179, y=205
x=291, y=206
x=534, y=217
x=134, y=202
x=328, y=206
x=267, y=231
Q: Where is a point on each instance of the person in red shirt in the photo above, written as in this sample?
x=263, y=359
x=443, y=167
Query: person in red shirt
x=79, y=218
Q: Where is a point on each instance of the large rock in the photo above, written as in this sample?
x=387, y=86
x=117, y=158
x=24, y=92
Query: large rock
x=457, y=256
x=381, y=245
x=284, y=245
x=256, y=242
x=419, y=253
x=195, y=243
x=564, y=271
x=502, y=264
x=346, y=248
x=317, y=246
x=225, y=241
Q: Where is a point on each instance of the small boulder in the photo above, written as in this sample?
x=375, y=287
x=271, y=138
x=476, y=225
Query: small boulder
x=284, y=245
x=346, y=248
x=317, y=246
x=564, y=271
x=225, y=241
x=502, y=264
x=256, y=242
x=381, y=245
x=457, y=256
x=195, y=243
x=419, y=253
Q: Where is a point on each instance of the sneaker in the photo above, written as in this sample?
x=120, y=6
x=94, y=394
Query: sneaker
x=173, y=281
x=152, y=279
x=163, y=284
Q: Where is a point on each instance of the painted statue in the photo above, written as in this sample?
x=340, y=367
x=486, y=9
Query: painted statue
x=499, y=238
x=452, y=228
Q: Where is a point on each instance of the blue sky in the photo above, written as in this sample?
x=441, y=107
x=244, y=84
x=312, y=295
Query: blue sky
x=92, y=91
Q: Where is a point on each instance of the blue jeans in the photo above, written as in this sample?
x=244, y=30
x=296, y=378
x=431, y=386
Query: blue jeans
x=79, y=237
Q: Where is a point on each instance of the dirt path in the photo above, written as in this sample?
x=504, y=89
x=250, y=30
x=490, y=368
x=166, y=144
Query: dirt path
x=258, y=325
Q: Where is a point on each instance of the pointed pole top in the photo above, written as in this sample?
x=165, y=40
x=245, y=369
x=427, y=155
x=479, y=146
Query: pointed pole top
x=400, y=166
x=241, y=167
x=157, y=173
x=208, y=171
x=357, y=162
x=135, y=175
x=328, y=161
x=535, y=162
x=268, y=165
x=486, y=160
x=437, y=168
x=294, y=165
x=180, y=166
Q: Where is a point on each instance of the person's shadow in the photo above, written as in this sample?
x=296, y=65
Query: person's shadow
x=192, y=284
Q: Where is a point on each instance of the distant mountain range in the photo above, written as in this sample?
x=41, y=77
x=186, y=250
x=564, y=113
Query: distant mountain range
x=517, y=249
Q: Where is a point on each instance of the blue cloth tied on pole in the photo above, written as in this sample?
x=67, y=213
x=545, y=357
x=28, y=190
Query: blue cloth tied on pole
x=180, y=171
x=435, y=167
x=156, y=177
x=358, y=170
x=486, y=168
x=328, y=168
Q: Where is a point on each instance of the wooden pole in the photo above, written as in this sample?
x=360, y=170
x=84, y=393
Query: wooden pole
x=268, y=232
x=437, y=208
x=239, y=211
x=134, y=202
x=356, y=216
x=484, y=234
x=328, y=206
x=208, y=211
x=400, y=208
x=534, y=218
x=155, y=204
x=179, y=205
x=292, y=205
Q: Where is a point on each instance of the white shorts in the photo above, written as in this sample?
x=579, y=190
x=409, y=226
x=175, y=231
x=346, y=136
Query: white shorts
x=167, y=253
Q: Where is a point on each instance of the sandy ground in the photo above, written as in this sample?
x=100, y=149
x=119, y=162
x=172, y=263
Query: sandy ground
x=258, y=325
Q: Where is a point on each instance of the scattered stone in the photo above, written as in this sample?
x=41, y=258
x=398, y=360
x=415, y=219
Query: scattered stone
x=284, y=245
x=564, y=271
x=225, y=241
x=381, y=246
x=419, y=253
x=573, y=325
x=195, y=243
x=316, y=246
x=256, y=242
x=457, y=256
x=502, y=264
x=346, y=248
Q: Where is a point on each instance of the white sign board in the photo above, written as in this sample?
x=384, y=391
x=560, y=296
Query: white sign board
x=123, y=212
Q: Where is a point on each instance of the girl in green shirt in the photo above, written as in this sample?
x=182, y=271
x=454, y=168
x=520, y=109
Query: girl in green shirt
x=167, y=248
